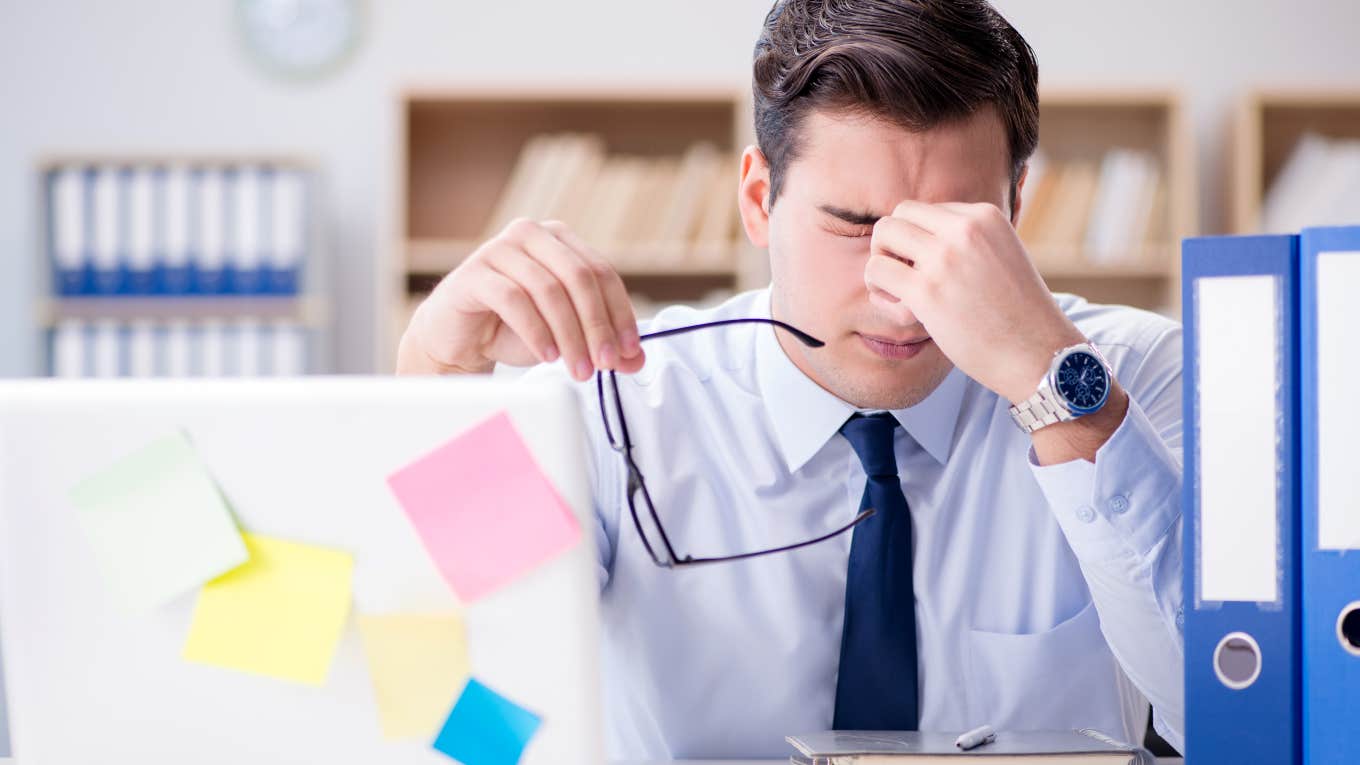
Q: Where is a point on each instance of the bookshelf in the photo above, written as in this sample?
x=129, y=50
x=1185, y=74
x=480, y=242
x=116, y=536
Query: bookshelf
x=1082, y=134
x=458, y=149
x=457, y=160
x=1269, y=125
x=125, y=283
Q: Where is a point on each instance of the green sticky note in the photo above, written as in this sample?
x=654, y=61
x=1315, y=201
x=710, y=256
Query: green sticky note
x=280, y=615
x=158, y=524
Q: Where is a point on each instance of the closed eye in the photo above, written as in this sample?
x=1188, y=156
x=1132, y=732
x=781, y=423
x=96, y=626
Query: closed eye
x=857, y=233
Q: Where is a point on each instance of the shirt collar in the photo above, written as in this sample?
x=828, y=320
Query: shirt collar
x=805, y=415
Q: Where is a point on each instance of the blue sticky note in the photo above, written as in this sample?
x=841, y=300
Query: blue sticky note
x=485, y=728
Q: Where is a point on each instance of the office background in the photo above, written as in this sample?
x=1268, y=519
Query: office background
x=142, y=77
x=150, y=78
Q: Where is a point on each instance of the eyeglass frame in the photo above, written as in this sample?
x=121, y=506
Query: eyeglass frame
x=623, y=445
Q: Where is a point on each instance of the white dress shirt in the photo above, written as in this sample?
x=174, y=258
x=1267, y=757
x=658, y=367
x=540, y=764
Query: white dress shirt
x=1047, y=597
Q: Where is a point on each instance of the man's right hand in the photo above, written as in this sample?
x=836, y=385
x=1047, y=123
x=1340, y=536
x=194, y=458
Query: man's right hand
x=534, y=293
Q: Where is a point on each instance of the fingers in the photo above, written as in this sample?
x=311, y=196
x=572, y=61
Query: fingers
x=615, y=294
x=899, y=251
x=517, y=310
x=891, y=283
x=582, y=288
x=552, y=303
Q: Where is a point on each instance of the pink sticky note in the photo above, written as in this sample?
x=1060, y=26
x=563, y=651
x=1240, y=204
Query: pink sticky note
x=483, y=508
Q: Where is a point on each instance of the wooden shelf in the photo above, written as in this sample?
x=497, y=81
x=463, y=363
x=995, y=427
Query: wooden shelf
x=1081, y=125
x=1269, y=124
x=439, y=256
x=459, y=146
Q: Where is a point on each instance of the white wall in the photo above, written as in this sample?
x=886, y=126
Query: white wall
x=170, y=76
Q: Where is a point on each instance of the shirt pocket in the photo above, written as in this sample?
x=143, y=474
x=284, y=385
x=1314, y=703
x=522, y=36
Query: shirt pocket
x=1059, y=679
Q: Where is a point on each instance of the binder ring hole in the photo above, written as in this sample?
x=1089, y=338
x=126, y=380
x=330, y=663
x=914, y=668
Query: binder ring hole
x=1237, y=660
x=1348, y=628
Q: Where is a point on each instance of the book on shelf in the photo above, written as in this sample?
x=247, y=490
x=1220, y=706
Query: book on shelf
x=1318, y=185
x=645, y=213
x=1080, y=213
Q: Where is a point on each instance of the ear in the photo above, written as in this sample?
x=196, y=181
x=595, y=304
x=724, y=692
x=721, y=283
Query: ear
x=753, y=196
x=1019, y=195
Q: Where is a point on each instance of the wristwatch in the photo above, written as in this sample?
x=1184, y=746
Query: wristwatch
x=1077, y=384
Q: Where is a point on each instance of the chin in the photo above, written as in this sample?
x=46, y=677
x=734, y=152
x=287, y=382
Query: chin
x=887, y=386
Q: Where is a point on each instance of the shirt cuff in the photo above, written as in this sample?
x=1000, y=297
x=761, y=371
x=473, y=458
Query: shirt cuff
x=1127, y=500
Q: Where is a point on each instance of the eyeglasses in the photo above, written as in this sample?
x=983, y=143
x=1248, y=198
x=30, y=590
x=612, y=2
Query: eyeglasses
x=658, y=542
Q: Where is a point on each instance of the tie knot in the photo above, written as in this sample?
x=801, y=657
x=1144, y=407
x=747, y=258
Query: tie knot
x=871, y=436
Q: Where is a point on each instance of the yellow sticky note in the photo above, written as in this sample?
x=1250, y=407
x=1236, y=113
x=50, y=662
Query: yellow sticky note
x=280, y=614
x=418, y=664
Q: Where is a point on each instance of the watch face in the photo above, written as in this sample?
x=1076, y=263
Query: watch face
x=1082, y=382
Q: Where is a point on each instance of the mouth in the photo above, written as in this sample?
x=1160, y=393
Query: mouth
x=895, y=348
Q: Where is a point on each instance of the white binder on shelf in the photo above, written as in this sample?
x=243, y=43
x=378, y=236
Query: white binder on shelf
x=248, y=348
x=108, y=260
x=288, y=223
x=177, y=213
x=212, y=349
x=211, y=267
x=246, y=262
x=108, y=349
x=68, y=349
x=141, y=355
x=140, y=277
x=67, y=202
x=178, y=349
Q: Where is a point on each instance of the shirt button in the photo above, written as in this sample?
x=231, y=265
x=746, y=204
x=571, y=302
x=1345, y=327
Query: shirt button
x=1180, y=618
x=1085, y=514
x=1119, y=503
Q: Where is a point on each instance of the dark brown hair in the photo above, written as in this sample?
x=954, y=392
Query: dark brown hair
x=915, y=63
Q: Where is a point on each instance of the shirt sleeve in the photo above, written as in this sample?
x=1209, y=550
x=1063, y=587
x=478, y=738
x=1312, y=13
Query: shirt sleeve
x=1122, y=518
x=603, y=466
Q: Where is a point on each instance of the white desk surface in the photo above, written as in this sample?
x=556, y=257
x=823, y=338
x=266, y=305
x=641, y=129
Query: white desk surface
x=783, y=761
x=1160, y=761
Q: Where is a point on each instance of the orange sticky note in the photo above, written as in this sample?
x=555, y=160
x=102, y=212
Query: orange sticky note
x=484, y=509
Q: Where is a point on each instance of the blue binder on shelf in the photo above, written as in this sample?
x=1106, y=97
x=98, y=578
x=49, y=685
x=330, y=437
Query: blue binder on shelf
x=1242, y=647
x=288, y=225
x=139, y=218
x=1330, y=408
x=209, y=264
x=107, y=196
x=179, y=231
x=246, y=273
x=68, y=231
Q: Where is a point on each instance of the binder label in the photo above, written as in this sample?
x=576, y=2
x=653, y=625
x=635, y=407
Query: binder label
x=1338, y=405
x=1239, y=333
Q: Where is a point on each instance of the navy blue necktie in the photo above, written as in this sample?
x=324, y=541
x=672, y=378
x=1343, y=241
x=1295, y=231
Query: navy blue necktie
x=877, y=685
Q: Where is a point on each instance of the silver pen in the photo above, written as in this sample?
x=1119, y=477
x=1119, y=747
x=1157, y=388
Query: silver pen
x=976, y=737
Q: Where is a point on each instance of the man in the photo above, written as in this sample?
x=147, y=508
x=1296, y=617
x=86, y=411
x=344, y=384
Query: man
x=1015, y=573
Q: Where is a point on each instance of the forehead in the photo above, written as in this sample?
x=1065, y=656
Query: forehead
x=867, y=162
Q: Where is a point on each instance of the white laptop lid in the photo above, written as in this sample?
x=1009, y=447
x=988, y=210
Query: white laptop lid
x=303, y=459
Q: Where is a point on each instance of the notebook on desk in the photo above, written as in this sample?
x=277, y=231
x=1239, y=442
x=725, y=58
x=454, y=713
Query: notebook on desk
x=1069, y=747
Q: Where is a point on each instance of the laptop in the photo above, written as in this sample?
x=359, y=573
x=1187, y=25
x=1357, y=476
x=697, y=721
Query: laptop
x=305, y=460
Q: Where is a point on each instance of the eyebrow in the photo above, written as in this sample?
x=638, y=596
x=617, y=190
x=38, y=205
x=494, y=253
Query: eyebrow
x=854, y=217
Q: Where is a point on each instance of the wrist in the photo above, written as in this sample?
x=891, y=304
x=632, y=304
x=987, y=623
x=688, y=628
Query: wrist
x=1032, y=370
x=1082, y=438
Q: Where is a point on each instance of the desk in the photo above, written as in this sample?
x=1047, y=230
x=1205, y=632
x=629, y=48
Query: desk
x=785, y=761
